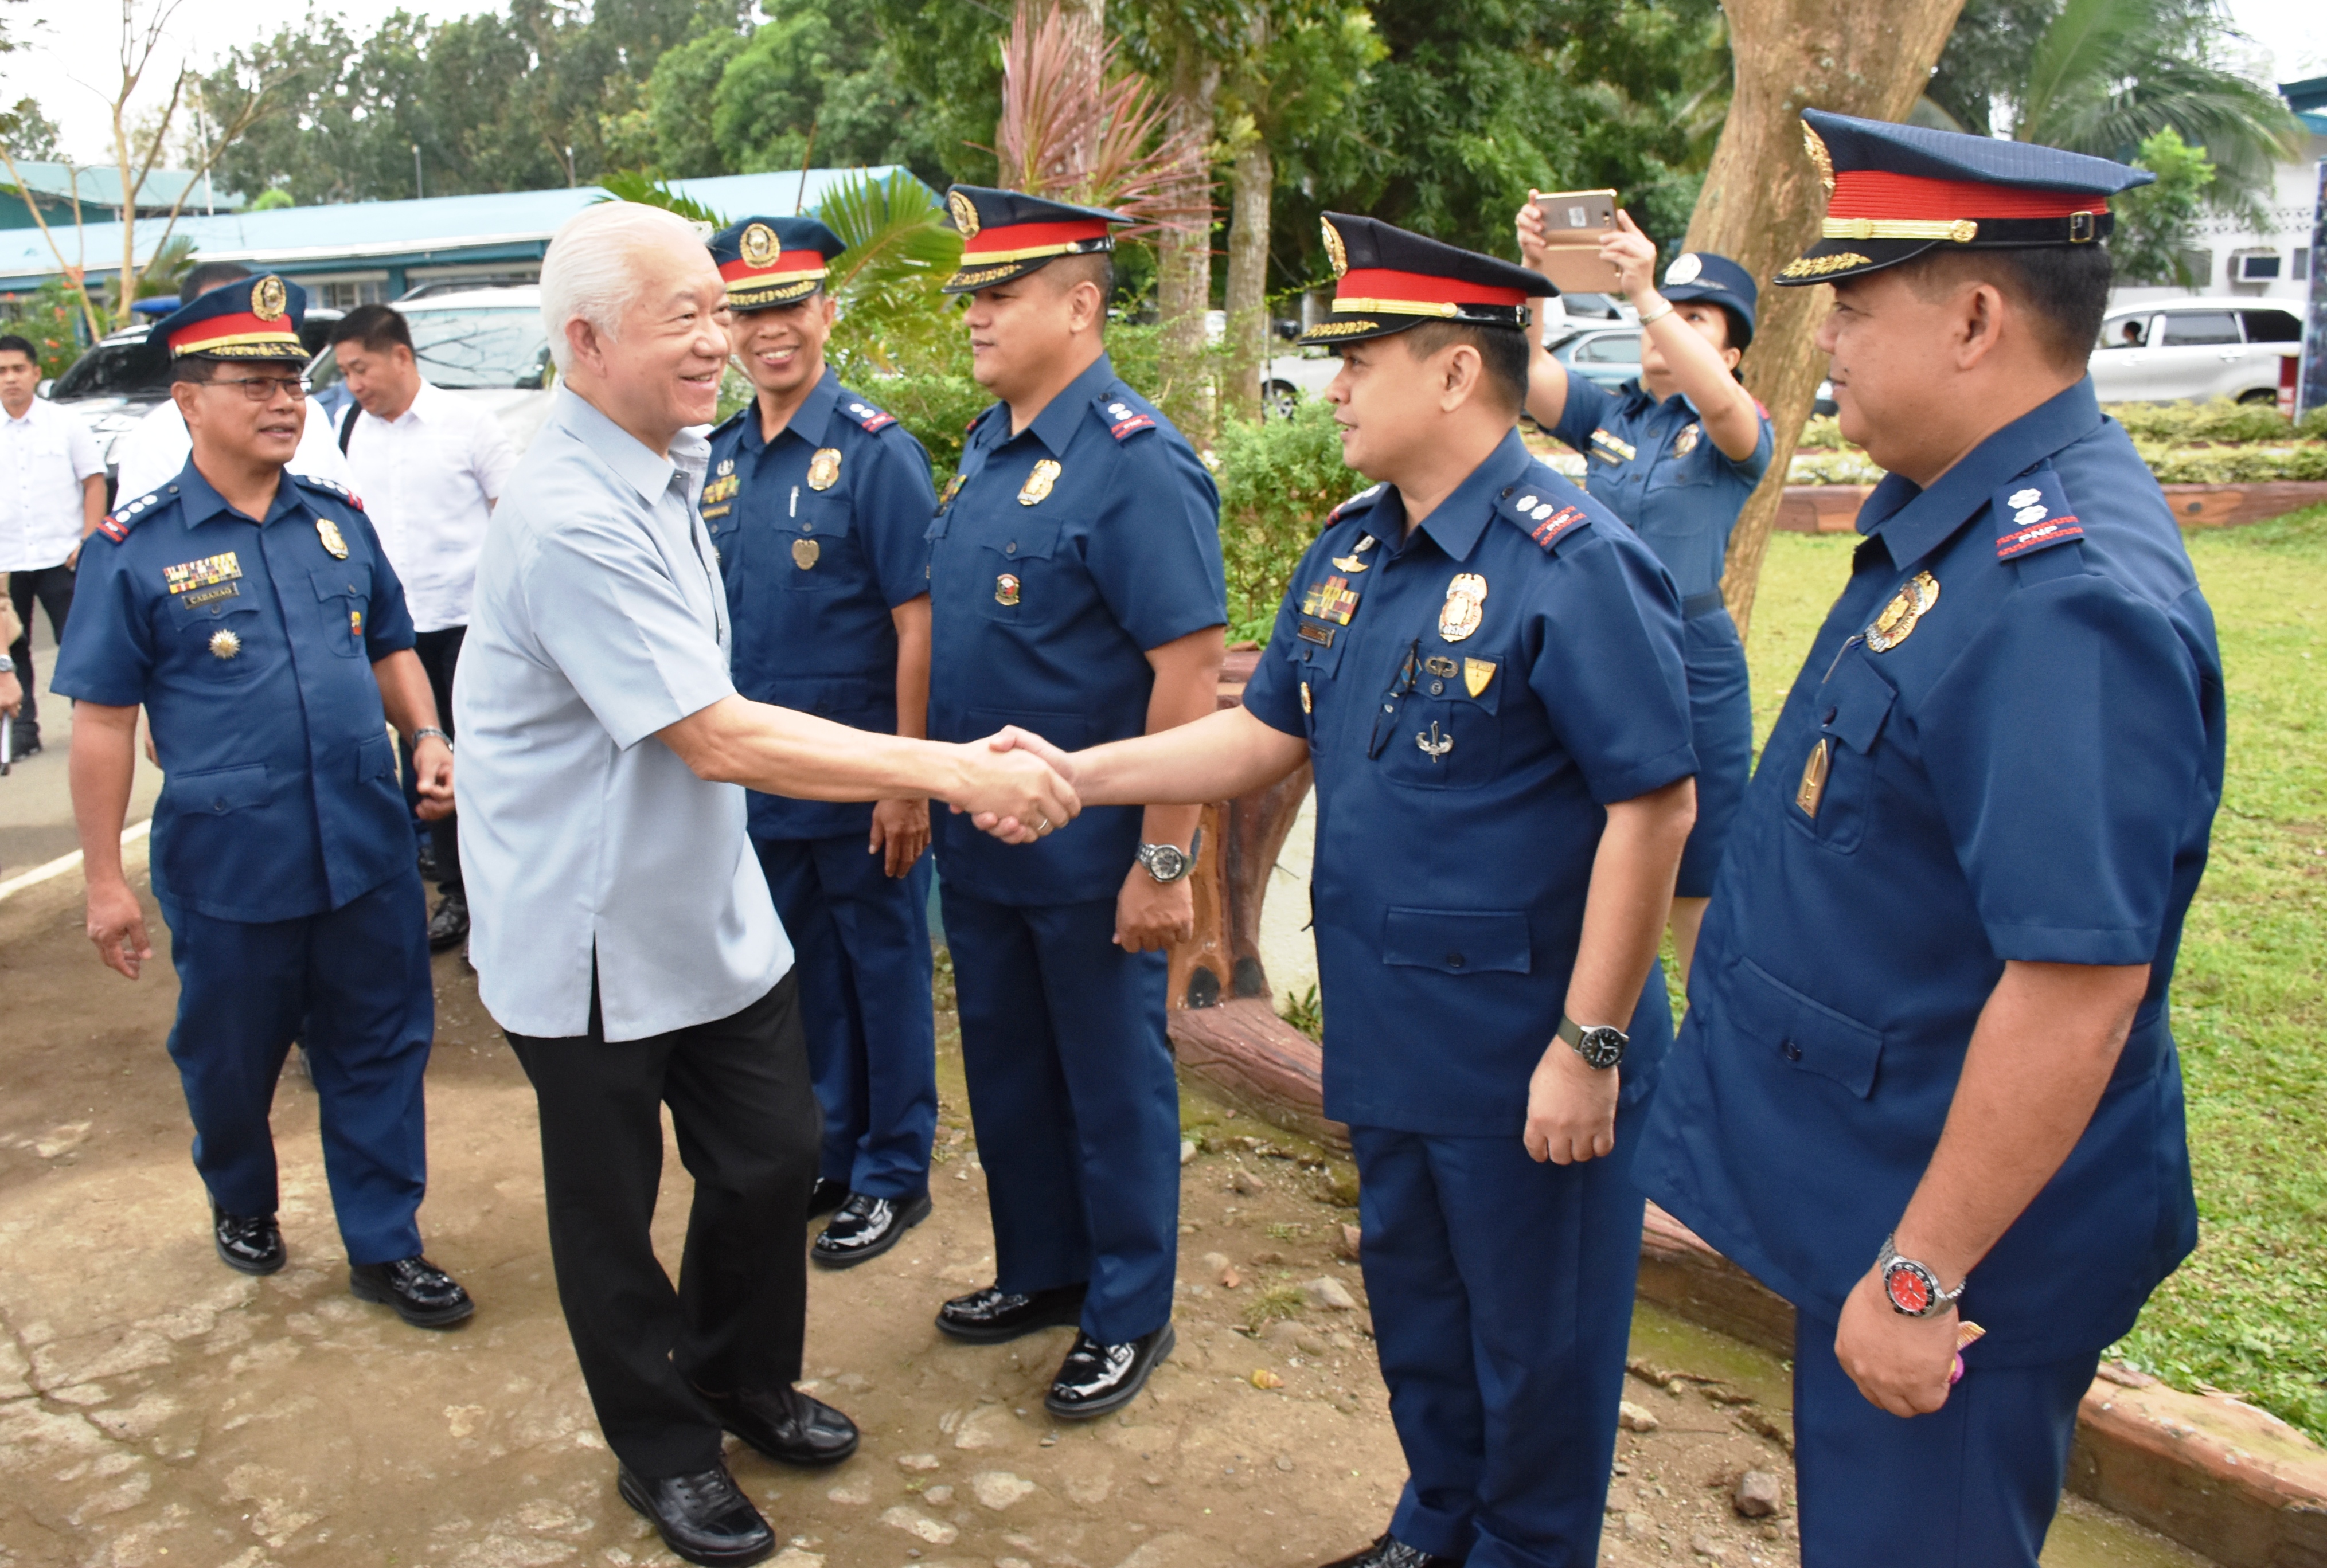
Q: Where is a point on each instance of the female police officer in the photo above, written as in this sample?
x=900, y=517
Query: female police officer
x=1675, y=455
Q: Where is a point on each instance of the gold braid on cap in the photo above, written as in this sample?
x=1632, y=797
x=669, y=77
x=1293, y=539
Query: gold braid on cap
x=1819, y=265
x=1816, y=145
x=1334, y=253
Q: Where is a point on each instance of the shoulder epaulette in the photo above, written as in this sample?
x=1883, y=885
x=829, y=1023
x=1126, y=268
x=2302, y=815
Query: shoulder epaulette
x=330, y=487
x=115, y=524
x=871, y=419
x=2033, y=513
x=1356, y=503
x=1536, y=507
x=1123, y=421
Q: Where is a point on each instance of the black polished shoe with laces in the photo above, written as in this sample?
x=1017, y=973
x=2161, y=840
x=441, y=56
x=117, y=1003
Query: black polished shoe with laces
x=1099, y=1379
x=785, y=1425
x=990, y=1316
x=448, y=928
x=1389, y=1551
x=246, y=1242
x=703, y=1518
x=422, y=1295
x=825, y=1196
x=868, y=1227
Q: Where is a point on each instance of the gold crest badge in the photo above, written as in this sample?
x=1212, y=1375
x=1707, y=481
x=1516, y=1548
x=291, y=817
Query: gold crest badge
x=1908, y=606
x=1476, y=674
x=1039, y=483
x=1816, y=146
x=225, y=644
x=1335, y=252
x=269, y=299
x=965, y=213
x=805, y=552
x=1686, y=441
x=1465, y=607
x=823, y=468
x=1005, y=589
x=329, y=532
x=759, y=245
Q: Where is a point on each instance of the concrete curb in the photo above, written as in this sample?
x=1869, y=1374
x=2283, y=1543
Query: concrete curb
x=2216, y=1474
x=1831, y=509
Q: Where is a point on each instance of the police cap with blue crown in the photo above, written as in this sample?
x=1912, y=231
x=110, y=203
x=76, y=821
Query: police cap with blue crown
x=251, y=318
x=1895, y=192
x=1387, y=280
x=1008, y=233
x=773, y=261
x=1703, y=275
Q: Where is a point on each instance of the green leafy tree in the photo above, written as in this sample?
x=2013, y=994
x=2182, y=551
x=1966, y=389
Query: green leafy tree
x=2157, y=224
x=28, y=134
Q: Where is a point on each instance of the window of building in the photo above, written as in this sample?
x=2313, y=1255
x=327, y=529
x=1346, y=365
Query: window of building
x=347, y=292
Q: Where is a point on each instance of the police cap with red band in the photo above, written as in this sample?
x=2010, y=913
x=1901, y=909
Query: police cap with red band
x=1389, y=280
x=1008, y=233
x=773, y=261
x=251, y=318
x=1896, y=191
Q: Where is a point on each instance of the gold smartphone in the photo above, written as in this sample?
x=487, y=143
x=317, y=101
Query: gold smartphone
x=1575, y=222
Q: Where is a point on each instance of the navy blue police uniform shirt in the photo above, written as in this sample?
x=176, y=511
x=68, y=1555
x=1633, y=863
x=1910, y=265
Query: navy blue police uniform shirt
x=1652, y=464
x=1057, y=558
x=1474, y=696
x=2006, y=745
x=250, y=646
x=820, y=535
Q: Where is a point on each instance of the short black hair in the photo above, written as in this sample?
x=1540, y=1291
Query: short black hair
x=205, y=275
x=2063, y=287
x=376, y=327
x=1503, y=352
x=192, y=368
x=12, y=344
x=1092, y=267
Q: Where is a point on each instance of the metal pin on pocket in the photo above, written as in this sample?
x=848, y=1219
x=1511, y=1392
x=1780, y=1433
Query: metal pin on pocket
x=1434, y=745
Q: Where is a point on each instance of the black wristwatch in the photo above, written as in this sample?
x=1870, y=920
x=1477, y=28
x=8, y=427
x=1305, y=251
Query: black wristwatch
x=1600, y=1046
x=1166, y=863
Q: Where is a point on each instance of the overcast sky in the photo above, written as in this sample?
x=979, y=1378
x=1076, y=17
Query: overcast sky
x=73, y=46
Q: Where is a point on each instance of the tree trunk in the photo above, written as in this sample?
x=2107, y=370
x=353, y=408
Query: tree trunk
x=1252, y=178
x=1763, y=202
x=1184, y=270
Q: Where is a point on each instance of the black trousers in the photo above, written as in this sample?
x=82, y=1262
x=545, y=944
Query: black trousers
x=440, y=654
x=53, y=587
x=749, y=1132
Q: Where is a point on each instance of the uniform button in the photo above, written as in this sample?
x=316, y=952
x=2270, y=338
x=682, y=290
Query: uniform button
x=1011, y=549
x=1829, y=716
x=219, y=804
x=1790, y=1051
x=1437, y=688
x=1454, y=960
x=1389, y=707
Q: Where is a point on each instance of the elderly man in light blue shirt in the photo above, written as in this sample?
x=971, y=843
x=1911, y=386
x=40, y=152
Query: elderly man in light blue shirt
x=623, y=935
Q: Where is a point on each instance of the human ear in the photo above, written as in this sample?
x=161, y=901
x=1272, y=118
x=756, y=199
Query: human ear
x=1461, y=376
x=1980, y=317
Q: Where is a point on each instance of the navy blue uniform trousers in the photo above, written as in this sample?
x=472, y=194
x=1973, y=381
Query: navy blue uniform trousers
x=1077, y=1112
x=861, y=947
x=353, y=983
x=1973, y=1485
x=1501, y=1292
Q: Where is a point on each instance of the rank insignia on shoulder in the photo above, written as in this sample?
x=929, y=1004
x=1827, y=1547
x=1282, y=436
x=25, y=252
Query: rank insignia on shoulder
x=110, y=527
x=1365, y=497
x=872, y=418
x=1465, y=607
x=1331, y=600
x=2033, y=514
x=1545, y=523
x=823, y=468
x=1123, y=421
x=333, y=540
x=1038, y=484
x=1907, y=607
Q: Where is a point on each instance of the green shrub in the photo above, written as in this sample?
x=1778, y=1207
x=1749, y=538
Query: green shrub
x=2306, y=460
x=2219, y=420
x=1278, y=477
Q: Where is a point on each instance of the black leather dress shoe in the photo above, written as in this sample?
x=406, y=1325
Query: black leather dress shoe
x=422, y=1295
x=866, y=1227
x=246, y=1242
x=990, y=1316
x=449, y=925
x=1389, y=1551
x=825, y=1196
x=1099, y=1379
x=429, y=868
x=785, y=1425
x=702, y=1518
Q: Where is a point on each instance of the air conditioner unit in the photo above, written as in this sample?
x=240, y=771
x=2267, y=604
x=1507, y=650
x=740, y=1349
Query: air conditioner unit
x=2264, y=267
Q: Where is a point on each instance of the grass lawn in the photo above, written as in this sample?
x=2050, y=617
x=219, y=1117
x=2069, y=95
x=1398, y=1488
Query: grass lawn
x=2247, y=1314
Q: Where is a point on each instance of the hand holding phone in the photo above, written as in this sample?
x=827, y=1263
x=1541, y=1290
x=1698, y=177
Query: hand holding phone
x=1575, y=223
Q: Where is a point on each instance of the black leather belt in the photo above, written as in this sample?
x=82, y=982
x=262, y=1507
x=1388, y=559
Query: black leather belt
x=1697, y=604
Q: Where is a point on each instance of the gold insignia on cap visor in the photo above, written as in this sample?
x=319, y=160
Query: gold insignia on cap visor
x=965, y=213
x=1335, y=252
x=270, y=299
x=759, y=245
x=1465, y=607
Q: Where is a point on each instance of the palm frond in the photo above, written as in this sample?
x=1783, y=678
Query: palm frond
x=637, y=185
x=895, y=230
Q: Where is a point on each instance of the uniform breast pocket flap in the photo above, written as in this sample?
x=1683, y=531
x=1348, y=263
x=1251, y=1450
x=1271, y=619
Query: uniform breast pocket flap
x=1860, y=701
x=1017, y=558
x=1835, y=795
x=1805, y=1033
x=1315, y=650
x=1026, y=539
x=375, y=758
x=222, y=790
x=343, y=591
x=1458, y=941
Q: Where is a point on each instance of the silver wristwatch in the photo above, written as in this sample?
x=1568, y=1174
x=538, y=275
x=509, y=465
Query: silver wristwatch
x=8, y=665
x=428, y=732
x=1166, y=863
x=1913, y=1289
x=1601, y=1046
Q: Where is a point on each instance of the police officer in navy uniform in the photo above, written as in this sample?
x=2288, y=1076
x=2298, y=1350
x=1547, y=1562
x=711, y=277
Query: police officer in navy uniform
x=1927, y=1084
x=819, y=504
x=1076, y=589
x=254, y=616
x=1675, y=454
x=1484, y=665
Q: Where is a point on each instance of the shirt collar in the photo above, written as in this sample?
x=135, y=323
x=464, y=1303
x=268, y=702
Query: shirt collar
x=809, y=421
x=1055, y=426
x=1912, y=523
x=643, y=470
x=1458, y=520
x=199, y=500
x=32, y=412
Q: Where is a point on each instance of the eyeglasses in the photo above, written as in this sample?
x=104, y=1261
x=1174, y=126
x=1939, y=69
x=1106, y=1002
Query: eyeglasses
x=263, y=388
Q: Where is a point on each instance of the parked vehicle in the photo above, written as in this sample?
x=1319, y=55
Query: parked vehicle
x=487, y=344
x=1610, y=356
x=2195, y=348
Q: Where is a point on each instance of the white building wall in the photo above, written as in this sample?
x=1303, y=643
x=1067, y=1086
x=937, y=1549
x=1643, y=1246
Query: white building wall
x=2286, y=237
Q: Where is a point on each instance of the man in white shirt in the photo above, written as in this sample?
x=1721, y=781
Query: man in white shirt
x=52, y=492
x=150, y=456
x=429, y=466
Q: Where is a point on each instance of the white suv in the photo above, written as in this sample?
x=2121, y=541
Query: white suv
x=487, y=344
x=2196, y=349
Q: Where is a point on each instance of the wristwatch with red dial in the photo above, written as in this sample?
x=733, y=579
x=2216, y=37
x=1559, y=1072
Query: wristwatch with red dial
x=1913, y=1289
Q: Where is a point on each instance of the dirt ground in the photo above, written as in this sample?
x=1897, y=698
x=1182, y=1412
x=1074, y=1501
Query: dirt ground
x=157, y=1409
